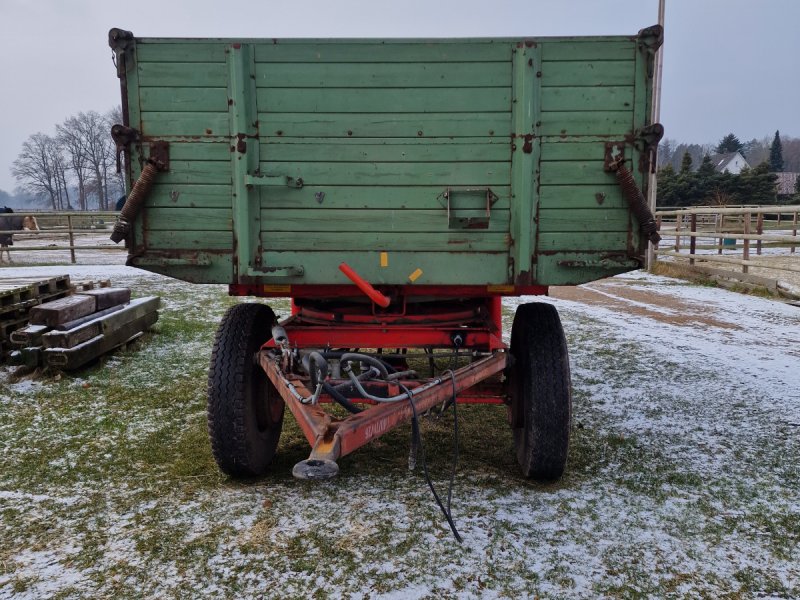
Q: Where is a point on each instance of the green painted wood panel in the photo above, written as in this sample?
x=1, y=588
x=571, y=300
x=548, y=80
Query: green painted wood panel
x=581, y=196
x=185, y=51
x=594, y=50
x=189, y=124
x=181, y=239
x=366, y=51
x=554, y=273
x=612, y=98
x=462, y=241
x=582, y=148
x=368, y=173
x=196, y=172
x=192, y=150
x=188, y=74
x=381, y=100
x=612, y=123
x=390, y=222
x=575, y=172
x=573, y=74
x=179, y=219
x=185, y=99
x=189, y=195
x=384, y=75
x=589, y=220
x=384, y=125
x=370, y=197
x=570, y=242
x=389, y=150
x=438, y=268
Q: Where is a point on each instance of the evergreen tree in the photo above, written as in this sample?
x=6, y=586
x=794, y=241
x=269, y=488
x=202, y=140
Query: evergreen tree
x=686, y=163
x=730, y=143
x=776, y=154
x=706, y=169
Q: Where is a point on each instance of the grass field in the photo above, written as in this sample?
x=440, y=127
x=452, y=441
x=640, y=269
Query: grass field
x=682, y=479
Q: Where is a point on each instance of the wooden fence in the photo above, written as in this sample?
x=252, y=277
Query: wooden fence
x=737, y=239
x=67, y=233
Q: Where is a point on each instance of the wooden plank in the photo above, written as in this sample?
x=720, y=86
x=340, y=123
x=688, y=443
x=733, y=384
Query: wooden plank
x=391, y=150
x=108, y=297
x=385, y=125
x=382, y=100
x=388, y=174
x=189, y=195
x=581, y=196
x=188, y=240
x=550, y=272
x=384, y=75
x=60, y=311
x=583, y=50
x=558, y=149
x=576, y=172
x=389, y=222
x=200, y=150
x=365, y=51
x=607, y=73
x=189, y=124
x=74, y=358
x=610, y=123
x=105, y=324
x=181, y=219
x=372, y=196
x=196, y=172
x=182, y=74
x=460, y=240
x=186, y=51
x=583, y=221
x=179, y=99
x=572, y=98
x=571, y=242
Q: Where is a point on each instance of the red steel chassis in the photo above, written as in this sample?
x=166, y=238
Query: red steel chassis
x=400, y=317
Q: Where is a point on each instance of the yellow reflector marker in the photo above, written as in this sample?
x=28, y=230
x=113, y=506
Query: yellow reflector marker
x=278, y=289
x=415, y=275
x=500, y=289
x=384, y=259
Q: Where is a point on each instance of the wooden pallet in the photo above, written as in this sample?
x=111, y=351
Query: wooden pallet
x=18, y=295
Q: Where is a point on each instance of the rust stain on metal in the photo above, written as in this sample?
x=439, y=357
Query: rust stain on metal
x=237, y=46
x=600, y=197
x=209, y=132
x=241, y=144
x=527, y=147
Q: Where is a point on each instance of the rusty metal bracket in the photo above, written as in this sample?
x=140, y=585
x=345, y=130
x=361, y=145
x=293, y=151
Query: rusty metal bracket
x=650, y=39
x=123, y=137
x=647, y=221
x=120, y=40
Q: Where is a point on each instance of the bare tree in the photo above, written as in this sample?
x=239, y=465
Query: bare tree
x=68, y=134
x=113, y=117
x=92, y=128
x=40, y=169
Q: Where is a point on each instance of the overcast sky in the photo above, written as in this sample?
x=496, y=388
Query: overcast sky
x=729, y=65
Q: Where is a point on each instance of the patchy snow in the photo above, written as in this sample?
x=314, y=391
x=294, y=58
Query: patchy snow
x=682, y=481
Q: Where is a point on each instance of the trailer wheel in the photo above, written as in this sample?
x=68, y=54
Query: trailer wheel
x=245, y=411
x=539, y=390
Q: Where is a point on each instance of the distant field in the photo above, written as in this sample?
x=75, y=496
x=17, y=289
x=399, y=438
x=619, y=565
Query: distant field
x=682, y=480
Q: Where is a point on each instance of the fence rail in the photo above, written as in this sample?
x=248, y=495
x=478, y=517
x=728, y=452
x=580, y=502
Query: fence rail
x=64, y=231
x=733, y=238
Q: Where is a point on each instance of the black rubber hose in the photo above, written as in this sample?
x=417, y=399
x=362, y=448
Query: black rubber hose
x=370, y=360
x=339, y=399
x=339, y=355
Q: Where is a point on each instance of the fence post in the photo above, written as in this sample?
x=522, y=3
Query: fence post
x=678, y=219
x=759, y=231
x=794, y=230
x=721, y=227
x=71, y=238
x=746, y=249
x=693, y=238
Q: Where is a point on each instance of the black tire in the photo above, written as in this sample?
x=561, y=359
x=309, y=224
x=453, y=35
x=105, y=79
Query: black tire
x=540, y=391
x=245, y=411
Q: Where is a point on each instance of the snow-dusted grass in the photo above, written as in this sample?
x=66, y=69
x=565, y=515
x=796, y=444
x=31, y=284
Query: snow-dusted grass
x=683, y=477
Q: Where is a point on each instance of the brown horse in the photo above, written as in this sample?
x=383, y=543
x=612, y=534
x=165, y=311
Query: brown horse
x=13, y=223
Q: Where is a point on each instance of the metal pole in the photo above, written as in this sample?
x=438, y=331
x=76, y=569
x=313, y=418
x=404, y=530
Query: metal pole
x=655, y=117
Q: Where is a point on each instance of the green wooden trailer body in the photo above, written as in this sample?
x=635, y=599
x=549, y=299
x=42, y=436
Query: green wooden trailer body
x=425, y=162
